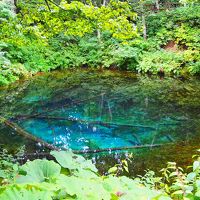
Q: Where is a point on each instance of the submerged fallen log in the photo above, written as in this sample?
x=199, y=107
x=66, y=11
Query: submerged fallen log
x=116, y=148
x=106, y=124
x=27, y=135
x=45, y=154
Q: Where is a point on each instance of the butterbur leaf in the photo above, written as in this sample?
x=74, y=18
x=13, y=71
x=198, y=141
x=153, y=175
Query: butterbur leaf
x=39, y=171
x=65, y=159
x=84, y=188
x=14, y=193
x=71, y=161
x=85, y=173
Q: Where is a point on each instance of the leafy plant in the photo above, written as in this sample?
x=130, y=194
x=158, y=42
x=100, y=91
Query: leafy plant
x=161, y=61
x=74, y=177
x=6, y=11
x=47, y=36
x=78, y=179
x=9, y=166
x=180, y=184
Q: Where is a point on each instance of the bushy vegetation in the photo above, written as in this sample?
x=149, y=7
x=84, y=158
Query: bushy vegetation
x=181, y=28
x=45, y=36
x=74, y=177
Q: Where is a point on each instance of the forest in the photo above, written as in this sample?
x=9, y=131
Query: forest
x=43, y=35
x=99, y=99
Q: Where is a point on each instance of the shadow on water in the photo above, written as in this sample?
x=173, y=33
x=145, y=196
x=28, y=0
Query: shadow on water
x=89, y=110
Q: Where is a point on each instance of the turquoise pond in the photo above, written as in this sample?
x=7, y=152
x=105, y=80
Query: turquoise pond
x=105, y=110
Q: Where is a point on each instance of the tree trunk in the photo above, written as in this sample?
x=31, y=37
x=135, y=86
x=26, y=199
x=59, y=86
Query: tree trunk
x=98, y=35
x=157, y=5
x=47, y=3
x=144, y=27
x=12, y=4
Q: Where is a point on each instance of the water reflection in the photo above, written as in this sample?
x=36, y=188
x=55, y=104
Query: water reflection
x=84, y=110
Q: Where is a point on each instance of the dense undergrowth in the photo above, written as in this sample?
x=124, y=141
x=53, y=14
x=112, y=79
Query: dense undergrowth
x=73, y=177
x=43, y=37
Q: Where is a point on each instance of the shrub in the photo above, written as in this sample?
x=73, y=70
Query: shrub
x=9, y=72
x=161, y=61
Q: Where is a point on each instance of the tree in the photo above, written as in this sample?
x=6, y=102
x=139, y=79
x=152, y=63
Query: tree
x=78, y=19
x=144, y=12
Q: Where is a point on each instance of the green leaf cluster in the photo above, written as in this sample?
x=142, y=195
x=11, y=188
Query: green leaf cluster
x=179, y=27
x=72, y=177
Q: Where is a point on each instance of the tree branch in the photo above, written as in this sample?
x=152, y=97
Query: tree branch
x=47, y=3
x=56, y=4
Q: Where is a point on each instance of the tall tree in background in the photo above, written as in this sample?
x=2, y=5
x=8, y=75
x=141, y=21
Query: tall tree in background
x=11, y=3
x=143, y=12
x=157, y=4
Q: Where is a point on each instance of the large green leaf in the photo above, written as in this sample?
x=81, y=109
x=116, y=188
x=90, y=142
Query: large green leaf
x=84, y=188
x=73, y=162
x=14, y=193
x=127, y=188
x=39, y=171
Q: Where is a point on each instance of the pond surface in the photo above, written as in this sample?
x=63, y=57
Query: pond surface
x=103, y=111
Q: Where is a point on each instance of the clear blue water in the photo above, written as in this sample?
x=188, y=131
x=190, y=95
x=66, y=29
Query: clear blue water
x=94, y=125
x=90, y=110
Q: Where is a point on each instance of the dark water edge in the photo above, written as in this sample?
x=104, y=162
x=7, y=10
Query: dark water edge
x=142, y=99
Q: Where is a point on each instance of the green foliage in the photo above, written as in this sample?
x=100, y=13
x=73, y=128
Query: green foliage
x=180, y=25
x=181, y=185
x=73, y=36
x=9, y=72
x=189, y=1
x=39, y=171
x=6, y=11
x=161, y=61
x=78, y=179
x=167, y=22
x=73, y=177
x=9, y=167
x=194, y=68
x=78, y=19
x=42, y=38
x=123, y=57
